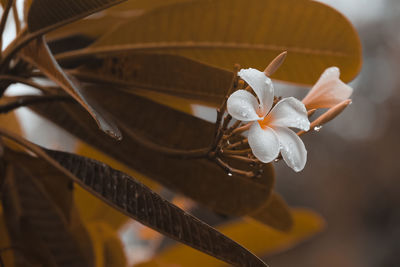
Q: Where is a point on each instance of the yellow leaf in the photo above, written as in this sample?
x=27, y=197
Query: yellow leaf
x=249, y=32
x=96, y=26
x=107, y=246
x=11, y=122
x=255, y=236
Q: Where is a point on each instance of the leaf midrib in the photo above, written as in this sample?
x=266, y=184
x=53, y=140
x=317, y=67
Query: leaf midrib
x=195, y=45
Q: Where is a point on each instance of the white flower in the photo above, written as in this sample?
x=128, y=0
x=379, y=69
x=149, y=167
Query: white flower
x=270, y=134
x=328, y=91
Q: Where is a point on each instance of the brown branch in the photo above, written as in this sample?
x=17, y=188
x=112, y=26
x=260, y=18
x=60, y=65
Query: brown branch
x=19, y=42
x=240, y=143
x=4, y=18
x=24, y=81
x=31, y=100
x=16, y=17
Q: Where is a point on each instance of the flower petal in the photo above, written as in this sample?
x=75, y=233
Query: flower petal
x=328, y=91
x=262, y=86
x=289, y=112
x=263, y=142
x=293, y=150
x=242, y=106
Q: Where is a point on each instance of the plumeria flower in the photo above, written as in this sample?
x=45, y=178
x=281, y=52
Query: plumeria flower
x=328, y=91
x=270, y=135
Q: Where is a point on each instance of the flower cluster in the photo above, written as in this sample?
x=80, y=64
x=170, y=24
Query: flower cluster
x=269, y=134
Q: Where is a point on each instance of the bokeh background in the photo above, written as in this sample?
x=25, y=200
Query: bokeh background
x=352, y=176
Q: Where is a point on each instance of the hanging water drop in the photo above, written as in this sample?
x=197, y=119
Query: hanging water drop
x=318, y=128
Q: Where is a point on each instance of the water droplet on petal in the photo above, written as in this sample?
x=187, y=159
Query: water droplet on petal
x=318, y=128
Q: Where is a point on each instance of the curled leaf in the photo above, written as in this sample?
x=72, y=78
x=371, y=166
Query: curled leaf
x=38, y=54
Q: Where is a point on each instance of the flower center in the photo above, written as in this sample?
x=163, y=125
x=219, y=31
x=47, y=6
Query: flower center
x=264, y=123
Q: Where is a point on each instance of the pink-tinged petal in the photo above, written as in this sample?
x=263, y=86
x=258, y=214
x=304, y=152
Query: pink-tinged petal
x=263, y=142
x=242, y=106
x=289, y=112
x=293, y=150
x=262, y=86
x=328, y=91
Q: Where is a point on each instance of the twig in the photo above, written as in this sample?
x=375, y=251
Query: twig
x=241, y=129
x=16, y=17
x=233, y=127
x=236, y=152
x=231, y=171
x=24, y=81
x=221, y=110
x=245, y=159
x=31, y=100
x=4, y=20
x=240, y=143
x=19, y=42
x=171, y=152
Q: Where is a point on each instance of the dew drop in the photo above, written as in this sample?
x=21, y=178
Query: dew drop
x=276, y=160
x=230, y=174
x=318, y=128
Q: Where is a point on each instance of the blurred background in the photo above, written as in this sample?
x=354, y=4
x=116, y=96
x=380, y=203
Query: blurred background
x=352, y=174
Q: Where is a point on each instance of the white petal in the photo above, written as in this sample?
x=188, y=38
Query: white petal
x=292, y=148
x=242, y=105
x=328, y=91
x=289, y=112
x=262, y=86
x=263, y=142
